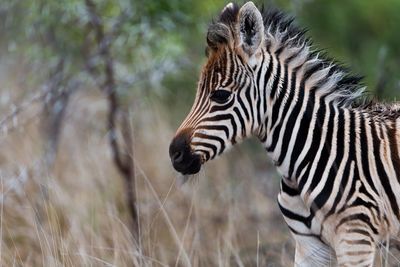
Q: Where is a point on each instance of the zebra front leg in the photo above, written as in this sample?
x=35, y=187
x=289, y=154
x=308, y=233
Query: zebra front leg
x=310, y=249
x=355, y=246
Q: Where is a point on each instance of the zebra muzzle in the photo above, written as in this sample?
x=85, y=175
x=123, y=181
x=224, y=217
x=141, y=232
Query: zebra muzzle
x=183, y=160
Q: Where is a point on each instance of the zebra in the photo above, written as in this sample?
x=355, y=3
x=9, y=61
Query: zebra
x=338, y=157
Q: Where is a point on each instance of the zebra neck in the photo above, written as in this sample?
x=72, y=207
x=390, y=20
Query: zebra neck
x=297, y=114
x=301, y=93
x=304, y=135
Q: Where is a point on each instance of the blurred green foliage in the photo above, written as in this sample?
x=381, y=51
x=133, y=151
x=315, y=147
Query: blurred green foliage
x=158, y=46
x=362, y=34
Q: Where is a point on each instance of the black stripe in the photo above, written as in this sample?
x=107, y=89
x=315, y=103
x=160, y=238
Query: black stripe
x=278, y=101
x=276, y=80
x=238, y=79
x=203, y=88
x=243, y=125
x=222, y=117
x=264, y=138
x=208, y=145
x=293, y=216
x=236, y=70
x=316, y=138
x=216, y=108
x=201, y=112
x=365, y=153
x=216, y=128
x=289, y=190
x=381, y=172
x=358, y=216
x=394, y=153
x=326, y=150
x=250, y=102
x=243, y=107
x=363, y=203
x=223, y=67
x=353, y=188
x=346, y=173
x=291, y=121
x=231, y=69
x=277, y=130
x=240, y=59
x=259, y=90
x=313, y=68
x=214, y=79
x=325, y=193
x=212, y=137
x=267, y=76
x=303, y=132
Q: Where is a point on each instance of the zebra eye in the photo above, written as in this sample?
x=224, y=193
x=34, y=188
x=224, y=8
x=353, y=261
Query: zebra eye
x=220, y=96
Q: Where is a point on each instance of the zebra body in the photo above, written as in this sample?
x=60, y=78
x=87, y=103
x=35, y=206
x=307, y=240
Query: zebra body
x=339, y=162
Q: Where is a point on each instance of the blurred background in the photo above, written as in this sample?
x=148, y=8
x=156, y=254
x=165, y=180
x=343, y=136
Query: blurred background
x=91, y=93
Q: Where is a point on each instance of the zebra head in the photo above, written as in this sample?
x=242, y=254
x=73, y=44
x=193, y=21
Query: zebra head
x=224, y=109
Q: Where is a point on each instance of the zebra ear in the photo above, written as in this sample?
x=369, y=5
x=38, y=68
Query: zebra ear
x=250, y=28
x=217, y=34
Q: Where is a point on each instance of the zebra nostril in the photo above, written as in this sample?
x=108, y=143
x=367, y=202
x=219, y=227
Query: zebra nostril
x=178, y=157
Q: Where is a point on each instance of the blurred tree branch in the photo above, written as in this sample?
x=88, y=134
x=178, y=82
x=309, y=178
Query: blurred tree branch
x=61, y=86
x=123, y=161
x=14, y=119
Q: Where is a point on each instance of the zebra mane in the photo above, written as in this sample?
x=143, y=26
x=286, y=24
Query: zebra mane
x=280, y=31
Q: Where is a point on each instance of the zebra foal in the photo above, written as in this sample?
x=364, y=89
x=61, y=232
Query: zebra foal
x=339, y=161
